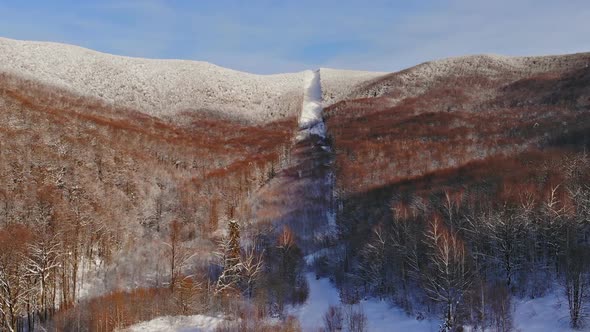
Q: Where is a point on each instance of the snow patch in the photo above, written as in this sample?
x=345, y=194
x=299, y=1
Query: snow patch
x=322, y=295
x=545, y=314
x=196, y=323
x=549, y=313
x=380, y=315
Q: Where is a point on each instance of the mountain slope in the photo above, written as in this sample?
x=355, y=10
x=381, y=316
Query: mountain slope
x=162, y=88
x=416, y=80
x=462, y=182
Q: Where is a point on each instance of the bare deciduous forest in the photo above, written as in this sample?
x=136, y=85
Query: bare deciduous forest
x=475, y=191
x=447, y=195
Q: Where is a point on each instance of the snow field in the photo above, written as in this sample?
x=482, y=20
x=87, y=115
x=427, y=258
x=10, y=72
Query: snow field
x=380, y=315
x=196, y=323
x=544, y=314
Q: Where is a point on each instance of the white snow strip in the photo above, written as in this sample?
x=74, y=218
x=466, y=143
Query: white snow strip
x=322, y=295
x=196, y=323
x=311, y=113
x=311, y=121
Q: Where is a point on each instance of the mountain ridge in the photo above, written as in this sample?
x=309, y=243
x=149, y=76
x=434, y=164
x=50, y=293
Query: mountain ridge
x=167, y=87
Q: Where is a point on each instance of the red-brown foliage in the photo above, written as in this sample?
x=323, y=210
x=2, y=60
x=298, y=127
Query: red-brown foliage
x=116, y=310
x=447, y=127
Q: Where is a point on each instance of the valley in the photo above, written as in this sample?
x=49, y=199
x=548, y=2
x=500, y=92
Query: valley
x=165, y=194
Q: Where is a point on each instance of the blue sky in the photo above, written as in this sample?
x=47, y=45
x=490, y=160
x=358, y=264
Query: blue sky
x=264, y=36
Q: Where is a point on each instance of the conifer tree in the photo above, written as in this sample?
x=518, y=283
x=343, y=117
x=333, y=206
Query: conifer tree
x=230, y=252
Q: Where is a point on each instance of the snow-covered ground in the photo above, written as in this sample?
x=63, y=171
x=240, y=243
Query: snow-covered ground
x=196, y=323
x=380, y=315
x=544, y=314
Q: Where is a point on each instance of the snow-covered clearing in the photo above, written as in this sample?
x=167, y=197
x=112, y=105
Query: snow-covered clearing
x=196, y=323
x=544, y=314
x=380, y=315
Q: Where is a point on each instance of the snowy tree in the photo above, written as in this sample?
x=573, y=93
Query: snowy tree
x=376, y=261
x=230, y=254
x=576, y=258
x=576, y=284
x=43, y=262
x=14, y=283
x=506, y=231
x=448, y=277
x=252, y=264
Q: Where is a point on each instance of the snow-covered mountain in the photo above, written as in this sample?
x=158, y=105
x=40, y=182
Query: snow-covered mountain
x=164, y=88
x=116, y=162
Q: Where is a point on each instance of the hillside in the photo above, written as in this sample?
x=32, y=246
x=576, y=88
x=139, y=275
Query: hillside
x=500, y=69
x=447, y=113
x=164, y=88
x=465, y=180
x=160, y=88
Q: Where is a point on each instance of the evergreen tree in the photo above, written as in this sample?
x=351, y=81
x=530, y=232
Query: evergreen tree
x=230, y=252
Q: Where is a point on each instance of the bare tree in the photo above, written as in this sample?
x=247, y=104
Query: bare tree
x=375, y=260
x=448, y=276
x=356, y=319
x=187, y=294
x=576, y=259
x=576, y=284
x=14, y=286
x=177, y=254
x=506, y=231
x=42, y=264
x=333, y=319
x=252, y=264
